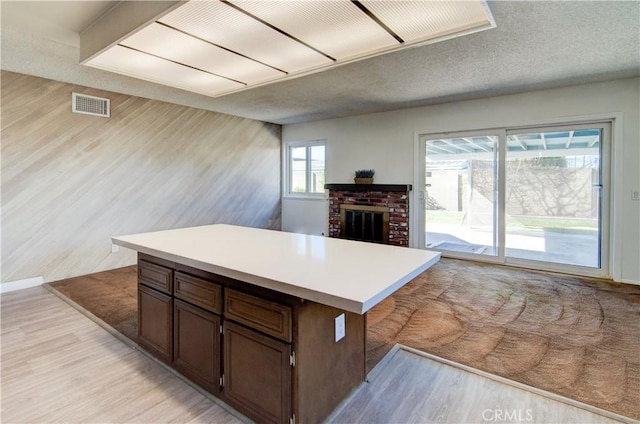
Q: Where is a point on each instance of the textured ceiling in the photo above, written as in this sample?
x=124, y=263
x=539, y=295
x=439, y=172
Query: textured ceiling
x=536, y=45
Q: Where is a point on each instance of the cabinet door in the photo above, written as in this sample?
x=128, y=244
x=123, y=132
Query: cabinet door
x=155, y=317
x=196, y=345
x=257, y=374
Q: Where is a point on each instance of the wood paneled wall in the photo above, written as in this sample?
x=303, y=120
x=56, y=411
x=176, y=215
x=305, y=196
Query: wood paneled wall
x=71, y=181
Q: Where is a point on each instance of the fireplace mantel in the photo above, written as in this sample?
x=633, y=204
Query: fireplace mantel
x=370, y=187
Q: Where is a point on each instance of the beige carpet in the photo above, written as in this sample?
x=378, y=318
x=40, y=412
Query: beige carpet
x=576, y=337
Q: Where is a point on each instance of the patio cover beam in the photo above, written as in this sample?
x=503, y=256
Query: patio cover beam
x=431, y=146
x=520, y=142
x=479, y=146
x=455, y=146
x=569, y=140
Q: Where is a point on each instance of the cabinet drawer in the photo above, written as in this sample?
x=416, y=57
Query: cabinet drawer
x=265, y=316
x=197, y=291
x=155, y=276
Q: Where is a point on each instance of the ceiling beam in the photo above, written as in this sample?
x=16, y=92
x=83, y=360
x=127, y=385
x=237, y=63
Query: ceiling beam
x=569, y=140
x=120, y=21
x=455, y=146
x=520, y=142
x=431, y=146
x=479, y=146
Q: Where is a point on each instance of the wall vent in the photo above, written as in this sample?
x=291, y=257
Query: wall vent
x=89, y=105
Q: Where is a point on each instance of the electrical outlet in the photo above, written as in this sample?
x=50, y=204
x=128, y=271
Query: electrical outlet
x=340, y=327
x=635, y=195
x=115, y=248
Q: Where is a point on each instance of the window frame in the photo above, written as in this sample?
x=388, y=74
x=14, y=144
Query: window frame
x=287, y=168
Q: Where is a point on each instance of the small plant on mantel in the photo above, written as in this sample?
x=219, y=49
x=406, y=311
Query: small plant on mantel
x=364, y=176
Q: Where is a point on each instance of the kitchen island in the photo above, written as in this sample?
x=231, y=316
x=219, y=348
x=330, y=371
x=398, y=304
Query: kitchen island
x=272, y=323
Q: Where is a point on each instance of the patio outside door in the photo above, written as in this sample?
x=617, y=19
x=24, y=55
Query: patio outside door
x=529, y=197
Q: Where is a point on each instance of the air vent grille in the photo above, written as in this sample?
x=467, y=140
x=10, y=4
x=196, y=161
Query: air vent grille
x=90, y=105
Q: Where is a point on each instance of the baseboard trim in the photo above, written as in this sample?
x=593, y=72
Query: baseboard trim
x=21, y=284
x=629, y=281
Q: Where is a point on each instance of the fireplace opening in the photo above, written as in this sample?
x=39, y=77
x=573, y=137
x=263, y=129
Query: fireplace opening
x=364, y=223
x=390, y=200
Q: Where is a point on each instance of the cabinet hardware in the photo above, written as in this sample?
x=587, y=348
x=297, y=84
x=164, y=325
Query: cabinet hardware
x=221, y=330
x=292, y=359
x=292, y=420
x=222, y=381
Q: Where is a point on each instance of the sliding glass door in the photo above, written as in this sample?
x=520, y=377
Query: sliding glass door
x=460, y=202
x=529, y=197
x=554, y=196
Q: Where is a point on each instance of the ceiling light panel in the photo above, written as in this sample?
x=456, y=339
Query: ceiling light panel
x=423, y=20
x=176, y=46
x=130, y=62
x=337, y=28
x=215, y=47
x=227, y=27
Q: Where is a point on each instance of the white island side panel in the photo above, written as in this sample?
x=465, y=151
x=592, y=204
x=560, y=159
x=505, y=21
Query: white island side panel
x=350, y=275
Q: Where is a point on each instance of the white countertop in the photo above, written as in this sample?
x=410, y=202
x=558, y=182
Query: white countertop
x=350, y=275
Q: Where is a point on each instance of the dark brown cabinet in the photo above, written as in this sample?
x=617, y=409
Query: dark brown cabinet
x=155, y=276
x=155, y=321
x=276, y=361
x=271, y=318
x=196, y=344
x=197, y=291
x=257, y=374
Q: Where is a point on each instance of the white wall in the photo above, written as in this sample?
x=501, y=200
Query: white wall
x=305, y=216
x=385, y=142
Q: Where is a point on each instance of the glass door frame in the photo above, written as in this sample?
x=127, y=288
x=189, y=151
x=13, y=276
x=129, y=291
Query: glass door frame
x=605, y=212
x=420, y=195
x=604, y=200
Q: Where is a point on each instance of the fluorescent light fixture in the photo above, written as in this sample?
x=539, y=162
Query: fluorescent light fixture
x=217, y=47
x=176, y=46
x=339, y=29
x=147, y=67
x=226, y=26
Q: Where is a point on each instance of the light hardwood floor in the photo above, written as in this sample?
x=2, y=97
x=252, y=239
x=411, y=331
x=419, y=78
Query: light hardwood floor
x=412, y=387
x=59, y=366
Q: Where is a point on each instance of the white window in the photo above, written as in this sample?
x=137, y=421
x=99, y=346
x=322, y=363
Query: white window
x=305, y=168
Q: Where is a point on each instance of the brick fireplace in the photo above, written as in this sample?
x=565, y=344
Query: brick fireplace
x=383, y=218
